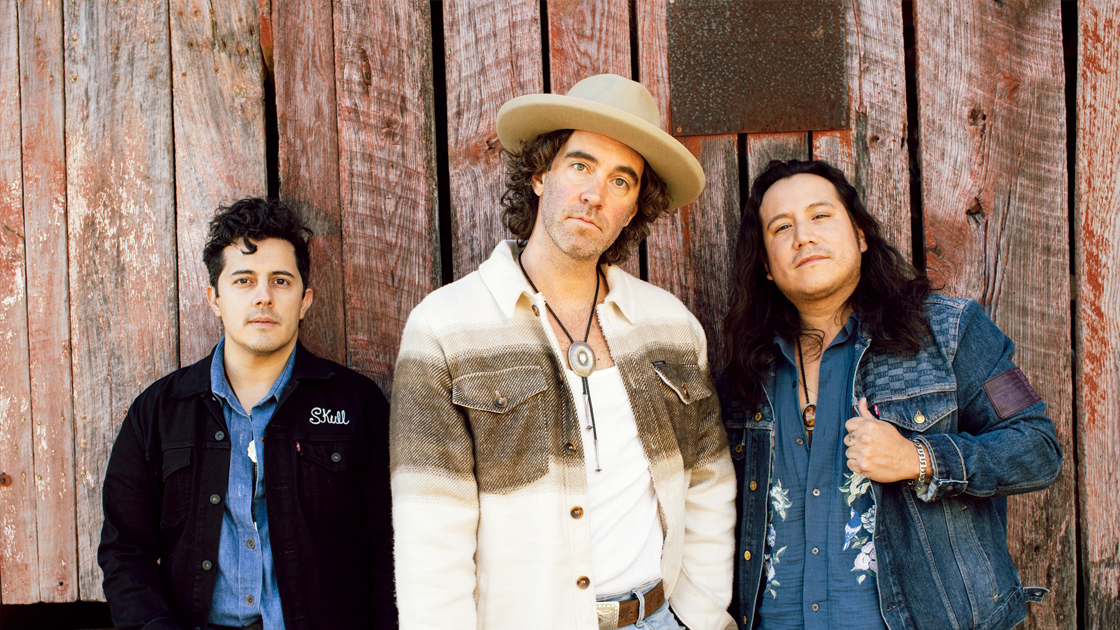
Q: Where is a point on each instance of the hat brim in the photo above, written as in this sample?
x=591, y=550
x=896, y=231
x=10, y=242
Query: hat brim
x=524, y=118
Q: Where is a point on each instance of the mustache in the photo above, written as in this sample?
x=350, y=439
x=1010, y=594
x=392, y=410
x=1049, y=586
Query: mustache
x=816, y=251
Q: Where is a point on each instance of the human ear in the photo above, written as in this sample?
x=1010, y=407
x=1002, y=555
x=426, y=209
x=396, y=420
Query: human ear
x=212, y=300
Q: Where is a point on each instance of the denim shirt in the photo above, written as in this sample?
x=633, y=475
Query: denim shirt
x=942, y=554
x=820, y=557
x=246, y=588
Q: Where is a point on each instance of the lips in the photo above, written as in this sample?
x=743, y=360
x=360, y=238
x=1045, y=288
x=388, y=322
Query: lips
x=262, y=320
x=809, y=259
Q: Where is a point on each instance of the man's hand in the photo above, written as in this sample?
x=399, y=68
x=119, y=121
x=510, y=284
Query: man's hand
x=877, y=450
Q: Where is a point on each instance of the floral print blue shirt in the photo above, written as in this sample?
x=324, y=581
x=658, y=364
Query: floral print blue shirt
x=819, y=565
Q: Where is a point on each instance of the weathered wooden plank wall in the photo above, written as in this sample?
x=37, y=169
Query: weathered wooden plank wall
x=1097, y=230
x=992, y=116
x=386, y=138
x=48, y=291
x=19, y=563
x=219, y=141
x=116, y=217
x=121, y=217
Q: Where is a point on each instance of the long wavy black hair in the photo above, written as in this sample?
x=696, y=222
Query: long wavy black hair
x=889, y=294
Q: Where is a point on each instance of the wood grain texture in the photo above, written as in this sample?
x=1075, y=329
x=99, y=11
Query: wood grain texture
x=493, y=53
x=219, y=141
x=308, y=158
x=19, y=562
x=121, y=218
x=386, y=142
x=764, y=147
x=585, y=38
x=1097, y=208
x=688, y=251
x=874, y=153
x=48, y=293
x=993, y=156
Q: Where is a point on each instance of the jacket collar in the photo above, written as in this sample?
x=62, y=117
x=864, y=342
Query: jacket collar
x=502, y=276
x=196, y=380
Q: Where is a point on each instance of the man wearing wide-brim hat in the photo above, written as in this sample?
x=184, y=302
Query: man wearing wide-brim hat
x=558, y=459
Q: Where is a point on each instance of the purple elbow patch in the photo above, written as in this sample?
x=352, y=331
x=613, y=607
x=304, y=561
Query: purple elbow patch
x=1010, y=392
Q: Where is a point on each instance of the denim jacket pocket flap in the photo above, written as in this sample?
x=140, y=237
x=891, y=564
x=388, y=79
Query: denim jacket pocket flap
x=500, y=391
x=685, y=379
x=335, y=456
x=175, y=459
x=918, y=413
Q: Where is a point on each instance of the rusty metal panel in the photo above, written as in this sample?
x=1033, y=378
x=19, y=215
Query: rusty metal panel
x=740, y=66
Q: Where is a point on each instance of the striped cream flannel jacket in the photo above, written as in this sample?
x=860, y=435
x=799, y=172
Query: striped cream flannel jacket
x=487, y=459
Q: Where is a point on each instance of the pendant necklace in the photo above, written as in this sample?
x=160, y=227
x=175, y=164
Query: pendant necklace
x=809, y=411
x=580, y=356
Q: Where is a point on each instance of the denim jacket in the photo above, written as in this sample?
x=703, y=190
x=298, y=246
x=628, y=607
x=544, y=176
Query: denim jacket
x=942, y=552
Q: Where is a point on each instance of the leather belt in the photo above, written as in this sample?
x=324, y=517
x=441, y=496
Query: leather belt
x=614, y=615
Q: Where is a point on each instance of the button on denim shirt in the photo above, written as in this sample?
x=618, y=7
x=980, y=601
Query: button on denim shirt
x=942, y=552
x=245, y=568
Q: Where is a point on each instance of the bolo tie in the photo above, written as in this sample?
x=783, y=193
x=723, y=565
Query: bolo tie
x=580, y=356
x=809, y=410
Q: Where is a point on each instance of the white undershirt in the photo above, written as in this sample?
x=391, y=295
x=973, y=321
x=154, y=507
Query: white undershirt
x=626, y=532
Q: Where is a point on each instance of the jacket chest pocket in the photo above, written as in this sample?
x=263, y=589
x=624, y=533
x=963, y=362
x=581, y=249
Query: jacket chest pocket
x=177, y=485
x=504, y=409
x=330, y=474
x=923, y=413
x=688, y=398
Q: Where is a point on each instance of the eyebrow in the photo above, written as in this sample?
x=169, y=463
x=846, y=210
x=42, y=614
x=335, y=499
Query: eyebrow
x=590, y=158
x=279, y=272
x=808, y=207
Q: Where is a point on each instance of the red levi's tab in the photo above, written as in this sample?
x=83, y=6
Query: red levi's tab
x=1010, y=392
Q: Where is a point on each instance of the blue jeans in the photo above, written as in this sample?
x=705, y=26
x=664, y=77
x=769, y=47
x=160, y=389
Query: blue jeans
x=660, y=619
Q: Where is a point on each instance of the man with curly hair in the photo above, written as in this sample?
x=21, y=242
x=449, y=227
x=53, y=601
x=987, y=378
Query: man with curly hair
x=251, y=489
x=558, y=459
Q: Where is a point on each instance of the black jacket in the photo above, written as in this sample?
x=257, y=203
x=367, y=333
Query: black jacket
x=328, y=501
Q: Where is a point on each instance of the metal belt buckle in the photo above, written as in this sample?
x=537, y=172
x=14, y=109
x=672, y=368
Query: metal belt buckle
x=608, y=615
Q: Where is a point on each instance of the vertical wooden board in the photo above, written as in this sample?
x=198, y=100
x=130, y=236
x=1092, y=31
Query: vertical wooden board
x=993, y=155
x=874, y=153
x=119, y=190
x=48, y=293
x=493, y=53
x=19, y=563
x=308, y=158
x=386, y=141
x=764, y=147
x=588, y=37
x=219, y=141
x=1097, y=206
x=688, y=252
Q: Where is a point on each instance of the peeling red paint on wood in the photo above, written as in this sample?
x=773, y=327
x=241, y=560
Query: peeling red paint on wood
x=873, y=153
x=308, y=159
x=1097, y=207
x=493, y=54
x=386, y=144
x=687, y=251
x=762, y=148
x=121, y=219
x=19, y=563
x=219, y=142
x=48, y=319
x=993, y=155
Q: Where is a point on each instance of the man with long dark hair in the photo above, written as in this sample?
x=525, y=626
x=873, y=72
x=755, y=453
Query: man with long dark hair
x=876, y=426
x=558, y=460
x=251, y=490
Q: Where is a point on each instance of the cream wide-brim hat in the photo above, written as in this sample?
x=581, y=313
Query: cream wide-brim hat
x=615, y=107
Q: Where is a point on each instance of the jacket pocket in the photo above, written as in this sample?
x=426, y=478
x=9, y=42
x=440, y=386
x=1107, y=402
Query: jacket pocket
x=331, y=478
x=687, y=393
x=506, y=416
x=176, y=485
x=919, y=413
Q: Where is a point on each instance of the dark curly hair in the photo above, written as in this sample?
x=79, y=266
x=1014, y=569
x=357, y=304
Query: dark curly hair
x=255, y=219
x=889, y=296
x=519, y=201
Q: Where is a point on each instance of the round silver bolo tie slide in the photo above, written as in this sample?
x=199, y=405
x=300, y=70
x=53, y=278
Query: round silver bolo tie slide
x=582, y=358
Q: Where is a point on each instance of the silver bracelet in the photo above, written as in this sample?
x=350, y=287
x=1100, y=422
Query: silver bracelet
x=921, y=460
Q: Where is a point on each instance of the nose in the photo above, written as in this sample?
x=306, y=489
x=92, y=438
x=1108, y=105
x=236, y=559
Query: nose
x=803, y=234
x=263, y=294
x=593, y=192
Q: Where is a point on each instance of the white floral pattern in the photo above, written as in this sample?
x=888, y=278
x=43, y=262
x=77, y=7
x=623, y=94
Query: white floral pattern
x=856, y=486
